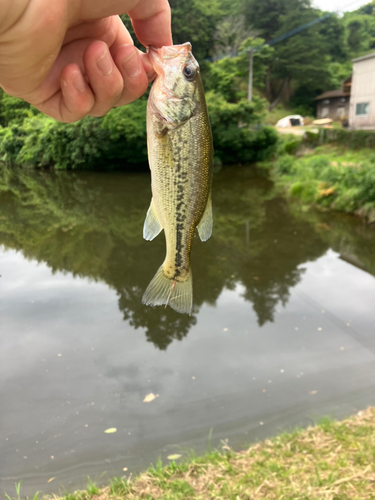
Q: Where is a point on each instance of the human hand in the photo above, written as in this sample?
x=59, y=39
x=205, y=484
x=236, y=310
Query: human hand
x=72, y=58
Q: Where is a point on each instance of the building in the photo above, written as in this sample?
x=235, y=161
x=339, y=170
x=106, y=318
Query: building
x=362, y=102
x=334, y=104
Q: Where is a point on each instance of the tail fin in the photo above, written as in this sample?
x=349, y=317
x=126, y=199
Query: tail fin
x=163, y=290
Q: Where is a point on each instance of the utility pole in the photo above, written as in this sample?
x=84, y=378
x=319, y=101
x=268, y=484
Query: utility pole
x=250, y=88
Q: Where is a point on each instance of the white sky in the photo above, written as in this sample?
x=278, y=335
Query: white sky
x=340, y=4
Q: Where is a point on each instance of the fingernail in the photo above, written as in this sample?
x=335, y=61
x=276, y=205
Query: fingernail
x=132, y=64
x=150, y=75
x=79, y=82
x=104, y=63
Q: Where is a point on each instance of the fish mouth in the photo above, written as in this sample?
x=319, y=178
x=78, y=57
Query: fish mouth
x=158, y=55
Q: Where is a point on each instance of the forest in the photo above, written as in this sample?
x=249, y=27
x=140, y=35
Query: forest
x=295, y=69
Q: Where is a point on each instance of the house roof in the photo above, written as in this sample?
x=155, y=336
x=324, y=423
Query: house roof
x=363, y=58
x=331, y=94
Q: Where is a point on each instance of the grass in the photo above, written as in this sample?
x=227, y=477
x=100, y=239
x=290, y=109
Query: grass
x=331, y=461
x=18, y=493
x=329, y=176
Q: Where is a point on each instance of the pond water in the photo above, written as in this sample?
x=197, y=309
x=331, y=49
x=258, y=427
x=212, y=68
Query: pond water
x=282, y=333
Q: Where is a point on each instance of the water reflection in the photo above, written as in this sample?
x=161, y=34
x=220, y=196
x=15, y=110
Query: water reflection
x=73, y=360
x=90, y=225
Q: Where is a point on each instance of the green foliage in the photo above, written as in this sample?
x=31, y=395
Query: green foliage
x=332, y=31
x=267, y=16
x=292, y=146
x=312, y=61
x=119, y=139
x=340, y=185
x=352, y=139
x=284, y=164
x=229, y=75
x=195, y=21
x=339, y=72
x=14, y=110
x=225, y=77
x=234, y=140
x=91, y=143
x=302, y=58
x=43, y=142
x=360, y=30
x=126, y=129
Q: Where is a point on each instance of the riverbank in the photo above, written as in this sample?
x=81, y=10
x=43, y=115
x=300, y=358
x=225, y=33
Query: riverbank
x=330, y=176
x=333, y=460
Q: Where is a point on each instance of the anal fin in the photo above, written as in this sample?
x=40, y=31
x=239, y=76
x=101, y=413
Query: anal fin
x=205, y=225
x=152, y=226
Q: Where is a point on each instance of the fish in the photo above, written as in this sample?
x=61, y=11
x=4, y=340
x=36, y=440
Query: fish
x=180, y=154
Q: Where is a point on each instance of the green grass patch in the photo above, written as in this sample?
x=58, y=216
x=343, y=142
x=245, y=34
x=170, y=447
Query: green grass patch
x=331, y=177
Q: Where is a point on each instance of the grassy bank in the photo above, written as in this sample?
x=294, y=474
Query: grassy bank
x=332, y=461
x=331, y=176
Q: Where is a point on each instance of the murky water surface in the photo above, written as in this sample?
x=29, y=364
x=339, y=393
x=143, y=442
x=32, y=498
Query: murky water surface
x=283, y=330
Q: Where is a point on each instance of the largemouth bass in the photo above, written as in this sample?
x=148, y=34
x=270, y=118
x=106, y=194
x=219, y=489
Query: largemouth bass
x=180, y=154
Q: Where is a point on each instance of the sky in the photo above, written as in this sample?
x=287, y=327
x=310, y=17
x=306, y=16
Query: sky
x=339, y=4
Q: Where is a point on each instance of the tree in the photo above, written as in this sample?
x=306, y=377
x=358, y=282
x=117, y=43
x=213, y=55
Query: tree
x=230, y=33
x=195, y=21
x=267, y=15
x=333, y=32
x=360, y=29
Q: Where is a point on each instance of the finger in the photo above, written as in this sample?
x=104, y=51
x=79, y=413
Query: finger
x=151, y=18
x=110, y=30
x=75, y=99
x=71, y=54
x=147, y=64
x=104, y=78
x=135, y=79
x=95, y=9
x=152, y=22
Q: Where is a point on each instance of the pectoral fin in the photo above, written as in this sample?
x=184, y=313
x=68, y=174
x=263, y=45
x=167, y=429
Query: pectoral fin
x=205, y=225
x=152, y=226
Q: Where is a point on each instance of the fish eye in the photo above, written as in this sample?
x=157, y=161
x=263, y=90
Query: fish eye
x=189, y=72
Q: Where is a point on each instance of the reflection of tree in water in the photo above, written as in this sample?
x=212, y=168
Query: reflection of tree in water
x=269, y=277
x=91, y=225
x=162, y=324
x=345, y=234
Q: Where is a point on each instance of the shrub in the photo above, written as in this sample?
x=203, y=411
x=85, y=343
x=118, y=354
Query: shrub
x=92, y=142
x=285, y=164
x=234, y=140
x=291, y=146
x=314, y=179
x=14, y=110
x=120, y=139
x=351, y=139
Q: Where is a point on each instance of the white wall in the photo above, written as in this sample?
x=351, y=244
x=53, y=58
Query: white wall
x=363, y=90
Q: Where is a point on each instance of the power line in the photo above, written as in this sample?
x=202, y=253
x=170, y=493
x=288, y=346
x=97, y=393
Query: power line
x=298, y=30
x=304, y=27
x=278, y=39
x=283, y=37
